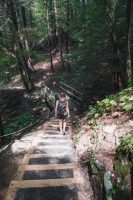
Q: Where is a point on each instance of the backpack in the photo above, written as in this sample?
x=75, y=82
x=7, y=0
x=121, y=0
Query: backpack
x=62, y=104
x=62, y=107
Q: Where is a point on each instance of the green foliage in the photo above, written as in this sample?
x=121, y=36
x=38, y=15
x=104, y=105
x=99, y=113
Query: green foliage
x=122, y=169
x=38, y=55
x=123, y=162
x=121, y=101
x=5, y=63
x=126, y=145
x=17, y=123
x=125, y=99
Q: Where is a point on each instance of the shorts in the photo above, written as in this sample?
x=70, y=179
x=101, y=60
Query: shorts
x=62, y=115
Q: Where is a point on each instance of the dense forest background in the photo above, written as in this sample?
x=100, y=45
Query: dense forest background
x=91, y=38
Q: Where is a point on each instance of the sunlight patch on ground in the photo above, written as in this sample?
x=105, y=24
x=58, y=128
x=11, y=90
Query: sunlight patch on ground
x=44, y=65
x=16, y=82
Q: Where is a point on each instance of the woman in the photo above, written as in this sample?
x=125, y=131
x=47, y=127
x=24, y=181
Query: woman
x=62, y=111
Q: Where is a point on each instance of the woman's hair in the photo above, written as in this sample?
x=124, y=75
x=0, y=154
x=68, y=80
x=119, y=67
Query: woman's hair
x=62, y=95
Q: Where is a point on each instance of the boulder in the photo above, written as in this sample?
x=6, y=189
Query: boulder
x=109, y=129
x=108, y=184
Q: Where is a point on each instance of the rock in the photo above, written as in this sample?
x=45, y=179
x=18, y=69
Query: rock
x=20, y=146
x=94, y=168
x=107, y=182
x=115, y=114
x=99, y=165
x=109, y=129
x=84, y=155
x=131, y=122
x=86, y=127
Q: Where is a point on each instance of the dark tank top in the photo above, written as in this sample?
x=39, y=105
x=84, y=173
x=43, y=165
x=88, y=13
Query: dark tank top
x=62, y=106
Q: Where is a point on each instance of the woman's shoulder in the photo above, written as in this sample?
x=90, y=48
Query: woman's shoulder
x=67, y=98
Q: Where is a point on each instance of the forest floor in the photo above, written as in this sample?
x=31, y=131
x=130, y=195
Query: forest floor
x=105, y=139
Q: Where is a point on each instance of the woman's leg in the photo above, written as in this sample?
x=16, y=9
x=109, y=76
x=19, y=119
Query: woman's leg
x=64, y=125
x=60, y=124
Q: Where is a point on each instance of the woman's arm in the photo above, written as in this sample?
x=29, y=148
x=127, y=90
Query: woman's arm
x=56, y=106
x=67, y=107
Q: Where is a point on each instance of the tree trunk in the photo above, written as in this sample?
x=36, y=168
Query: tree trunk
x=59, y=31
x=67, y=38
x=61, y=49
x=50, y=52
x=26, y=41
x=50, y=37
x=18, y=47
x=128, y=58
x=1, y=127
x=52, y=22
x=116, y=62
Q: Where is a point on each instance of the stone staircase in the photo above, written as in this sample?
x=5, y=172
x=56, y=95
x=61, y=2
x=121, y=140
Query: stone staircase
x=49, y=171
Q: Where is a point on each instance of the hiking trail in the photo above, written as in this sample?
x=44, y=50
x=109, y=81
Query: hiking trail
x=50, y=169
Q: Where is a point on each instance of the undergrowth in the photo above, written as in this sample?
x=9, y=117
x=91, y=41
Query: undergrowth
x=17, y=123
x=113, y=103
x=5, y=63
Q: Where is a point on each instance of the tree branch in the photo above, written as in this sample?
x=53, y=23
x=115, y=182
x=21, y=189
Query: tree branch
x=6, y=51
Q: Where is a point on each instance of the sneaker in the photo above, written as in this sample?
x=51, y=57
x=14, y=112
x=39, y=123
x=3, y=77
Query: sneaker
x=64, y=132
x=61, y=132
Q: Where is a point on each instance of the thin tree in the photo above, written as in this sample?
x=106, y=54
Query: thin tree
x=26, y=40
x=118, y=71
x=1, y=126
x=57, y=6
x=50, y=36
x=67, y=35
x=18, y=47
x=129, y=27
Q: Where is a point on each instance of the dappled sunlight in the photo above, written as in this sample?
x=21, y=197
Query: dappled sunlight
x=15, y=82
x=45, y=65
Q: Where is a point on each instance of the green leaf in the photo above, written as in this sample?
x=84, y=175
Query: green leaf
x=113, y=103
x=127, y=107
x=123, y=98
x=131, y=98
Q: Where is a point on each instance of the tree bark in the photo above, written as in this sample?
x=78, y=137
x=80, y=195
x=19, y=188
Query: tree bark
x=1, y=127
x=67, y=35
x=57, y=5
x=128, y=58
x=26, y=40
x=18, y=47
x=7, y=51
x=116, y=62
x=52, y=22
x=50, y=39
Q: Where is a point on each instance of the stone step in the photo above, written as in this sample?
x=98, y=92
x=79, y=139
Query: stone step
x=56, y=125
x=32, y=189
x=50, y=160
x=29, y=158
x=45, y=141
x=54, y=142
x=47, y=136
x=48, y=166
x=55, y=146
x=48, y=174
x=56, y=132
x=45, y=183
x=50, y=151
x=59, y=155
x=53, y=149
x=49, y=193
